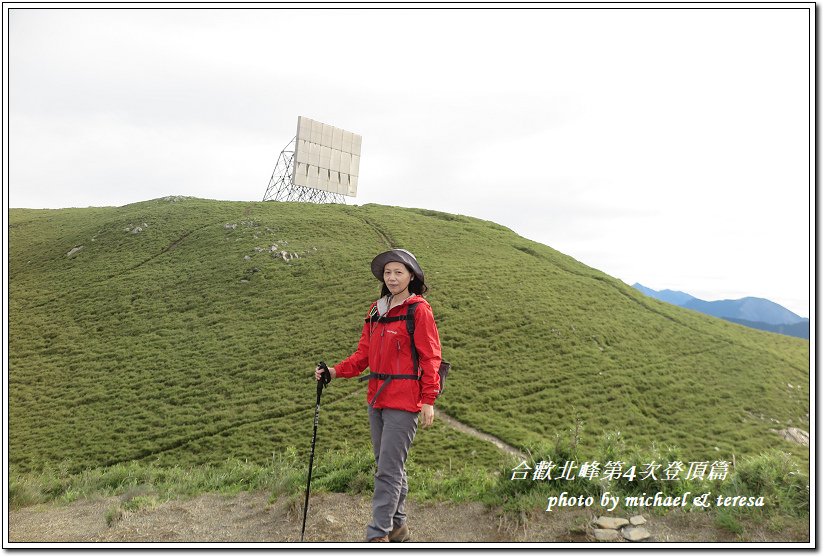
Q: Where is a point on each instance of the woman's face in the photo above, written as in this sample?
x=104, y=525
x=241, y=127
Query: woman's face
x=396, y=277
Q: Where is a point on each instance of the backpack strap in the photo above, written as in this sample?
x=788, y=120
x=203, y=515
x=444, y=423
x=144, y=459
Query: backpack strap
x=383, y=319
x=410, y=328
x=387, y=378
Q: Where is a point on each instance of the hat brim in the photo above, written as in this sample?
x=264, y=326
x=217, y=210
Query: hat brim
x=398, y=256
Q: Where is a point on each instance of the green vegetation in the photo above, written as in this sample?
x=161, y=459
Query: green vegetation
x=139, y=482
x=190, y=342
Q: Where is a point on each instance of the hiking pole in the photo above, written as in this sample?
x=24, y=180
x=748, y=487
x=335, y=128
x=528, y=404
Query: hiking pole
x=322, y=382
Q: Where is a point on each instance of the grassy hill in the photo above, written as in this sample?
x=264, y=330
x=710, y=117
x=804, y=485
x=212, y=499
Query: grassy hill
x=190, y=340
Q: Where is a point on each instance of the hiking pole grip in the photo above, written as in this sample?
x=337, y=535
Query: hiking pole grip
x=325, y=377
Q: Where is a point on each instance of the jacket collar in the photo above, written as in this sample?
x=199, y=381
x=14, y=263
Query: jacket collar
x=383, y=303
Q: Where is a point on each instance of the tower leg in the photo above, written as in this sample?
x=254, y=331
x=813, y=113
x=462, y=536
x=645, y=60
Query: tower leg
x=282, y=188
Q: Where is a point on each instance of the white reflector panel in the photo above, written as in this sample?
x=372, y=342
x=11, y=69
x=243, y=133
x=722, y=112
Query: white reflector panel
x=314, y=154
x=301, y=151
x=324, y=157
x=334, y=163
x=300, y=174
x=313, y=176
x=317, y=132
x=326, y=140
x=346, y=143
x=304, y=128
x=337, y=138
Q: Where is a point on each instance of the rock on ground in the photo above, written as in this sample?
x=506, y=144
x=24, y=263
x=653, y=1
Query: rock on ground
x=610, y=523
x=606, y=535
x=635, y=533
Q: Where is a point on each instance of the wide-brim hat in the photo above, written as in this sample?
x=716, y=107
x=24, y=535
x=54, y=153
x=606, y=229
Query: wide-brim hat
x=399, y=255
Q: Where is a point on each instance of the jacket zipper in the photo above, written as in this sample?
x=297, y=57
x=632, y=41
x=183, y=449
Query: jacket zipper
x=381, y=351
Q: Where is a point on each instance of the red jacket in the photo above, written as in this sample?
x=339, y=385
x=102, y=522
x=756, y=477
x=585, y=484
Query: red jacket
x=385, y=348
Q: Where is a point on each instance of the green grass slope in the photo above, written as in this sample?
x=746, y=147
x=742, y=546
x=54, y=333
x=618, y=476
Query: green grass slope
x=191, y=341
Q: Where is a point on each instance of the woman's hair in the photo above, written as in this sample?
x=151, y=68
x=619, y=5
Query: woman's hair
x=416, y=286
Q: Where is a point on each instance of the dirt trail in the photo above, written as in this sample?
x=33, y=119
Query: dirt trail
x=452, y=422
x=247, y=517
x=335, y=517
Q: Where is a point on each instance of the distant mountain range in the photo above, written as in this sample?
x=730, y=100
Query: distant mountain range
x=757, y=313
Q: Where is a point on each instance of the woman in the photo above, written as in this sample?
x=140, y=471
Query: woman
x=398, y=393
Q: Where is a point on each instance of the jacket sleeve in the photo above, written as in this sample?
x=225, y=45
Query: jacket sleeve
x=357, y=362
x=428, y=345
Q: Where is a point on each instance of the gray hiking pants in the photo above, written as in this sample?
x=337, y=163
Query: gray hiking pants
x=392, y=434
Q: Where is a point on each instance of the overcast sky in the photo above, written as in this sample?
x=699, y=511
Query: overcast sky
x=669, y=147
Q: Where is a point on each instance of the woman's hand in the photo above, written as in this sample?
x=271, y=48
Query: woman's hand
x=319, y=372
x=427, y=415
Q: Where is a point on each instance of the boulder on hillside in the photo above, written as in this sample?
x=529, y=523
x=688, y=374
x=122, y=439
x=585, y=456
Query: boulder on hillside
x=795, y=435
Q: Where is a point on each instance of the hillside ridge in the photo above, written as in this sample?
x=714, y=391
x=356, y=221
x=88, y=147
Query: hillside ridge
x=195, y=339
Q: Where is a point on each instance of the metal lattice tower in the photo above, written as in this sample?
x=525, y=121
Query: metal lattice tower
x=282, y=187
